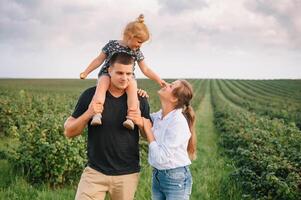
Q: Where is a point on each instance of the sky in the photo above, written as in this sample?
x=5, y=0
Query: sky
x=242, y=39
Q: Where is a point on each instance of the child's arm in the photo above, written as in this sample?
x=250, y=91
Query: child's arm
x=93, y=65
x=150, y=73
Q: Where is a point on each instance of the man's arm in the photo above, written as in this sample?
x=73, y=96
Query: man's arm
x=75, y=126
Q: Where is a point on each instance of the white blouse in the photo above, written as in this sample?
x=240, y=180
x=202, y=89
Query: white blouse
x=169, y=149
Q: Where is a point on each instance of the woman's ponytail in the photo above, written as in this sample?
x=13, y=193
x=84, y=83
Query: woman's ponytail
x=190, y=117
x=184, y=94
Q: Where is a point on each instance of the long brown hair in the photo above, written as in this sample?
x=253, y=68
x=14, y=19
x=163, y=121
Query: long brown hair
x=184, y=94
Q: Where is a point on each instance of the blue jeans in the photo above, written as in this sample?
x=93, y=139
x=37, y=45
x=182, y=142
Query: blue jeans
x=171, y=184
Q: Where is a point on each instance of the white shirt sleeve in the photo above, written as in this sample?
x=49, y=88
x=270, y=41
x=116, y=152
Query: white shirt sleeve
x=155, y=115
x=176, y=136
x=159, y=153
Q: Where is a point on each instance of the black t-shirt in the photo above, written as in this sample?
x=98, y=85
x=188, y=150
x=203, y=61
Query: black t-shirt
x=112, y=148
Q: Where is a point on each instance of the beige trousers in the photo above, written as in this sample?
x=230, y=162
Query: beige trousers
x=95, y=185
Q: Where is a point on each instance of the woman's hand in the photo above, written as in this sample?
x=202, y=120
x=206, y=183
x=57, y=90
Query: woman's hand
x=147, y=127
x=147, y=124
x=142, y=93
x=136, y=118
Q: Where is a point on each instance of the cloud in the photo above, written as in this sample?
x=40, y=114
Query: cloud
x=228, y=24
x=66, y=35
x=179, y=6
x=63, y=24
x=43, y=22
x=249, y=24
x=285, y=14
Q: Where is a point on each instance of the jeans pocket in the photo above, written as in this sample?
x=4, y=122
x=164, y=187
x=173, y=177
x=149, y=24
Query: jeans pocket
x=180, y=176
x=188, y=185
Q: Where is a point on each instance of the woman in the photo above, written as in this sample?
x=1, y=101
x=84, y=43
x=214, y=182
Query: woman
x=172, y=142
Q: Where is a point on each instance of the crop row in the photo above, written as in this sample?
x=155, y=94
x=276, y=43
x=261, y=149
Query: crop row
x=266, y=151
x=34, y=115
x=273, y=107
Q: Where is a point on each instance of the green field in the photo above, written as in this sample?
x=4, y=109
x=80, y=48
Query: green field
x=249, y=139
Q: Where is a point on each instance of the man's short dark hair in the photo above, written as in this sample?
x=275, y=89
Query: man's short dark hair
x=122, y=58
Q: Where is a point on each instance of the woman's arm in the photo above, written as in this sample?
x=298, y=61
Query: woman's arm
x=175, y=136
x=150, y=73
x=147, y=129
x=93, y=65
x=159, y=153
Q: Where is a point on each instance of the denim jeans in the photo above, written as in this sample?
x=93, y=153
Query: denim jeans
x=171, y=184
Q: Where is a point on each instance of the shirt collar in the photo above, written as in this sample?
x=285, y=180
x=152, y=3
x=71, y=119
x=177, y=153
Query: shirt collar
x=170, y=114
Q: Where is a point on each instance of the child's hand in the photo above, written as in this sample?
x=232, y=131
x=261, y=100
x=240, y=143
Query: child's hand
x=83, y=75
x=163, y=83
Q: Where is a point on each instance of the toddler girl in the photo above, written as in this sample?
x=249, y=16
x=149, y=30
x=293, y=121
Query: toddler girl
x=134, y=35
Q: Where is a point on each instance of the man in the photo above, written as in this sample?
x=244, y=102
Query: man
x=113, y=150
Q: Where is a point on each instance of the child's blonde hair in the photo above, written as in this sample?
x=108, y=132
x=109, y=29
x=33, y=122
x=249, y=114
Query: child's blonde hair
x=136, y=29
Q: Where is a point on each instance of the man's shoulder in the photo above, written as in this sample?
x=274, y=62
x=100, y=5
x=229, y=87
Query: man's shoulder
x=143, y=100
x=89, y=90
x=83, y=102
x=88, y=93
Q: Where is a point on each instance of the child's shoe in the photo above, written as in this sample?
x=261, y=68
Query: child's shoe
x=96, y=120
x=129, y=124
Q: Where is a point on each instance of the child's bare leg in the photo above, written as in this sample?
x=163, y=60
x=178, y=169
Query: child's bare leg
x=100, y=96
x=133, y=103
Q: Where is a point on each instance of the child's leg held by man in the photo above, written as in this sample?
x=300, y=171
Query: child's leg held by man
x=100, y=96
x=133, y=103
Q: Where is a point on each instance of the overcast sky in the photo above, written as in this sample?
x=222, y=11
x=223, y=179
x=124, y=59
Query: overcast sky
x=253, y=39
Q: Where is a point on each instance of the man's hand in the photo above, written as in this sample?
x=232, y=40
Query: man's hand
x=75, y=126
x=94, y=108
x=142, y=93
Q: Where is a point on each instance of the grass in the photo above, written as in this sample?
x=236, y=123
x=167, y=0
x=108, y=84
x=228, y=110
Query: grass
x=144, y=187
x=211, y=170
x=14, y=186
